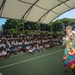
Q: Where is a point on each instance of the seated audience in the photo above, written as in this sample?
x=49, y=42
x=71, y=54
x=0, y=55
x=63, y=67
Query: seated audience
x=14, y=44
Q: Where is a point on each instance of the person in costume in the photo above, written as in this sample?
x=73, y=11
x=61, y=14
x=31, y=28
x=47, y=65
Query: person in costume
x=69, y=51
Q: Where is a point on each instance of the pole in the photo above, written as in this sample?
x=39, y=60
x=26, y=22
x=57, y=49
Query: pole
x=39, y=27
x=23, y=25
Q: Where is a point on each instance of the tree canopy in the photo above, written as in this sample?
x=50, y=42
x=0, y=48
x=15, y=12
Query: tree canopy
x=19, y=26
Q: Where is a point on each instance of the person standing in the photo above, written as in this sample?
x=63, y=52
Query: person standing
x=69, y=51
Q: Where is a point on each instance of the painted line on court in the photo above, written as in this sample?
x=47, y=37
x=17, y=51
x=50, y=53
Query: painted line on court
x=30, y=59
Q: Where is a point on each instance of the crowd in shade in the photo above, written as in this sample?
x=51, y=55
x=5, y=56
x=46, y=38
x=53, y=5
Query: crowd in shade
x=30, y=44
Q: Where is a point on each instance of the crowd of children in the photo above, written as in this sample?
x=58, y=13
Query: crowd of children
x=14, y=44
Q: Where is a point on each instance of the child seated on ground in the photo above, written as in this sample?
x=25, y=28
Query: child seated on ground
x=27, y=48
x=4, y=54
x=12, y=50
x=19, y=48
x=8, y=51
x=16, y=50
x=39, y=48
x=31, y=50
x=47, y=46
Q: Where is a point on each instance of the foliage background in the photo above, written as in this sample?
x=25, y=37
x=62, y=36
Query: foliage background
x=22, y=27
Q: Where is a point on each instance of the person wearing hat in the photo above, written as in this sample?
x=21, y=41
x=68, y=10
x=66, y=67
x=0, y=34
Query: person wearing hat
x=69, y=51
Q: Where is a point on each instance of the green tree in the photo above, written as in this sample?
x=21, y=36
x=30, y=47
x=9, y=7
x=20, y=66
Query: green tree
x=20, y=27
x=11, y=31
x=59, y=25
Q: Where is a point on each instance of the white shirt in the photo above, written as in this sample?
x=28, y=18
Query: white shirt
x=20, y=43
x=28, y=47
x=4, y=52
x=33, y=48
x=0, y=45
x=47, y=45
x=3, y=45
x=30, y=50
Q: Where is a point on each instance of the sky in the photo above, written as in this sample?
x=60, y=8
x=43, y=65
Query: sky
x=2, y=21
x=69, y=14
